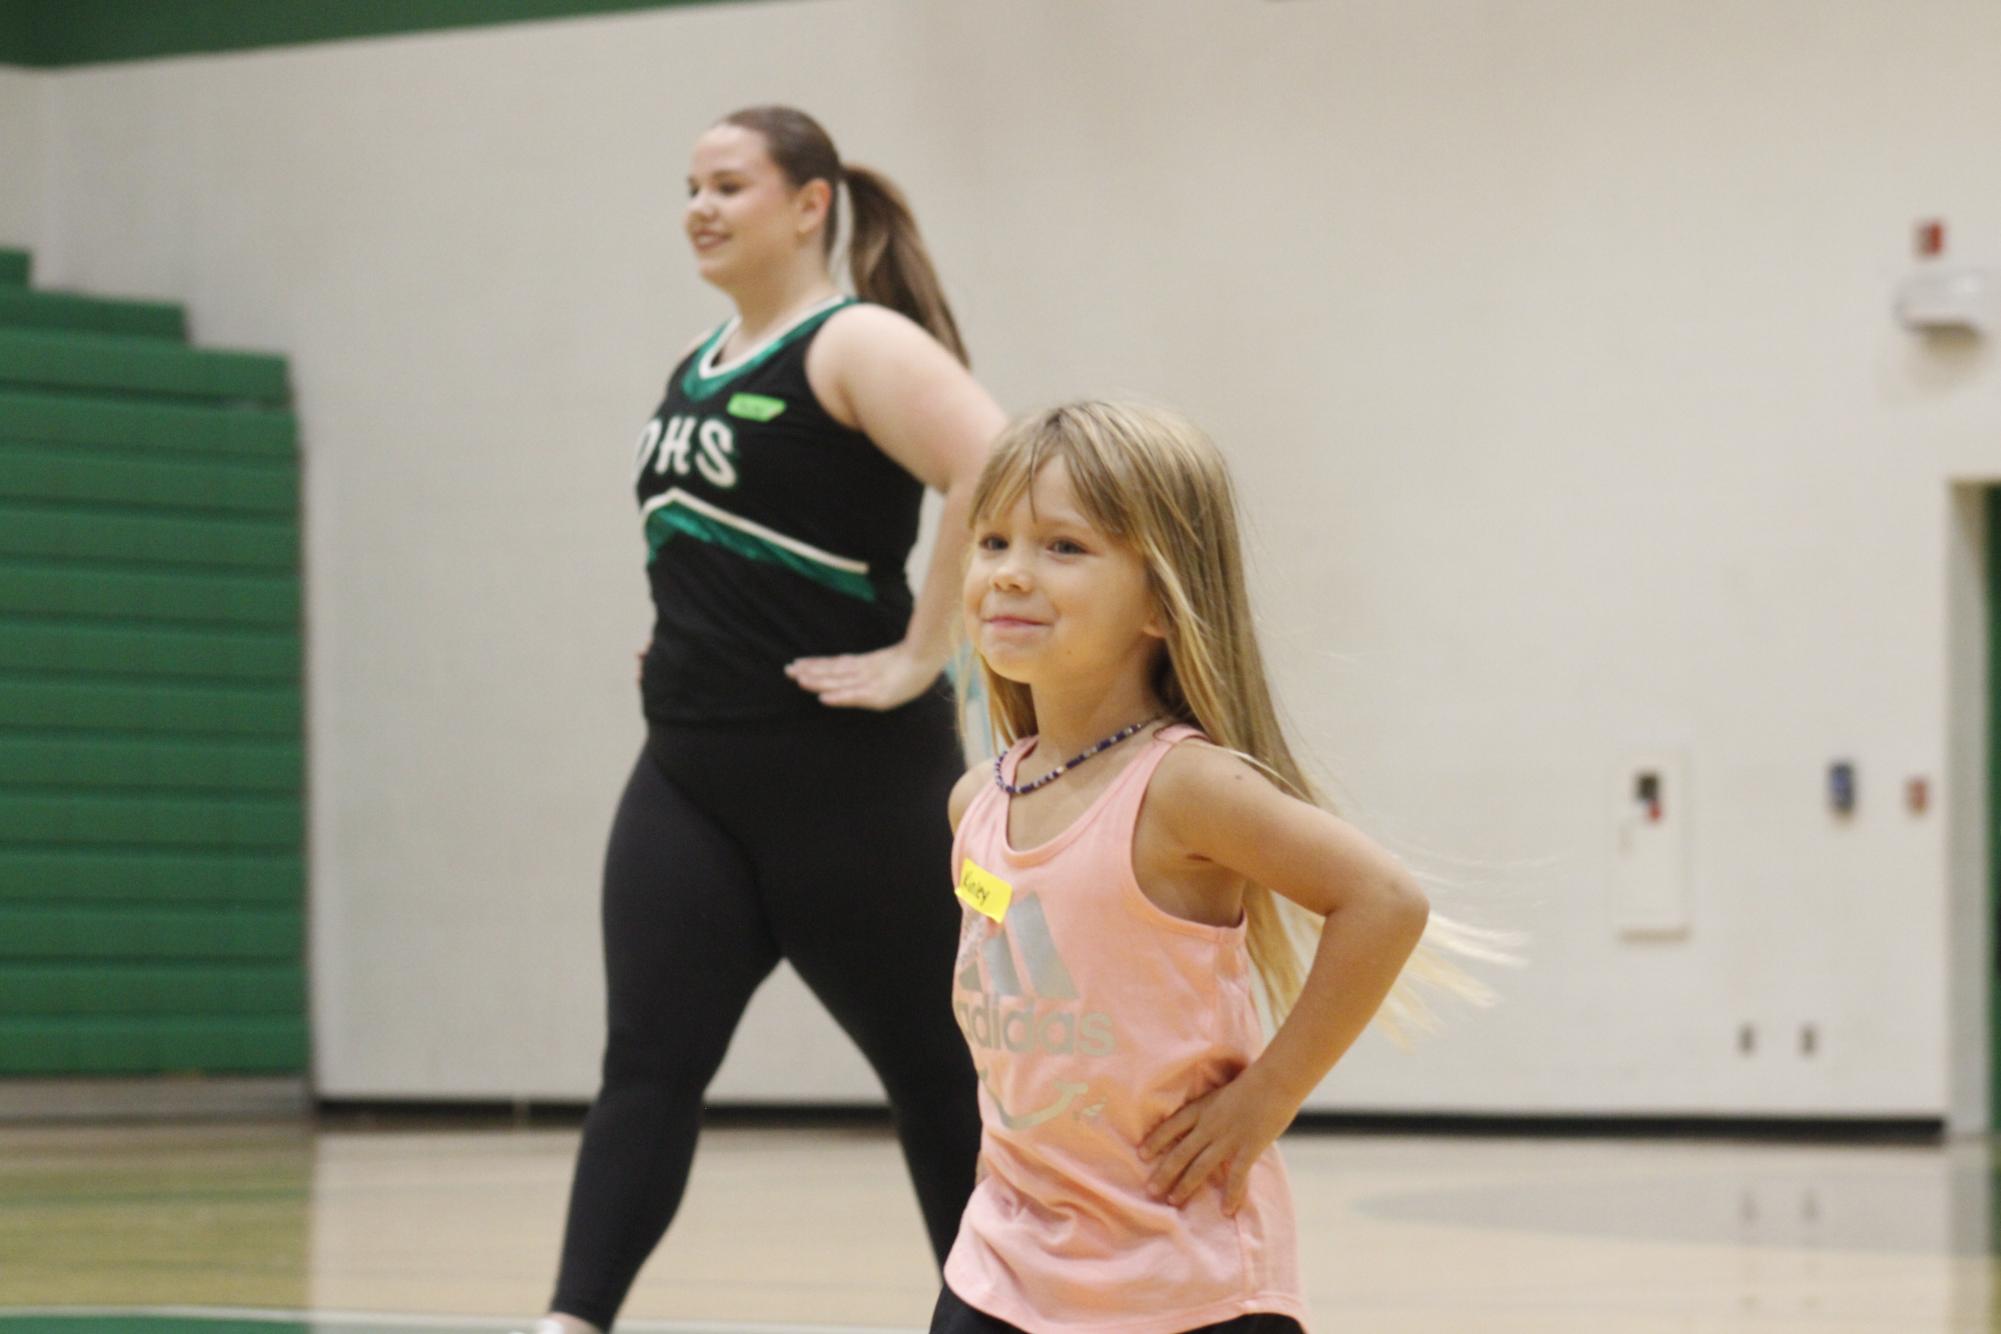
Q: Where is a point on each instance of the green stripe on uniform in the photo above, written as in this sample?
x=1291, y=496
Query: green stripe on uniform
x=669, y=520
x=698, y=386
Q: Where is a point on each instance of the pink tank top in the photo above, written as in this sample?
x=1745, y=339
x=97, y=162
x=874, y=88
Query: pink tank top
x=1092, y=1016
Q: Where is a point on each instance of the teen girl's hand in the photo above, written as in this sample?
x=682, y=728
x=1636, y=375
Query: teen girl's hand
x=1221, y=1134
x=883, y=679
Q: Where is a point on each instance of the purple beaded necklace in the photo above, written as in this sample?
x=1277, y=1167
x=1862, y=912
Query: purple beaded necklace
x=1020, y=789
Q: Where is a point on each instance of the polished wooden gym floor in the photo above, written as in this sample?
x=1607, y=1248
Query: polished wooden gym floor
x=345, y=1228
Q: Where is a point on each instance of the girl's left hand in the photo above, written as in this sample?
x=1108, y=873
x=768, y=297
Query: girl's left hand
x=883, y=679
x=1223, y=1131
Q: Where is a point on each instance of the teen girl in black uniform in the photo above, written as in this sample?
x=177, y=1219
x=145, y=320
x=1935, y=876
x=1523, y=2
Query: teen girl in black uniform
x=800, y=740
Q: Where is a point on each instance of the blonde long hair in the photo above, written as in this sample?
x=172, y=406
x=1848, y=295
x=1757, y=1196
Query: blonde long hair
x=1151, y=479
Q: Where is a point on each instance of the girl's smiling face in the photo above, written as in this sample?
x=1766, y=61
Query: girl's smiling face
x=1051, y=598
x=743, y=215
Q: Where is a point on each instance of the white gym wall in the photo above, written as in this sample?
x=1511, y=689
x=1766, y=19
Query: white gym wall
x=1551, y=342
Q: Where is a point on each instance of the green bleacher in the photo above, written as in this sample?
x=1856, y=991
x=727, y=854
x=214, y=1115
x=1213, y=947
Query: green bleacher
x=152, y=825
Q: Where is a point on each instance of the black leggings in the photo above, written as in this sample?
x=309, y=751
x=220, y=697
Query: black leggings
x=953, y=1316
x=823, y=841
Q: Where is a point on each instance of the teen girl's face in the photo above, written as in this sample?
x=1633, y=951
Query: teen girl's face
x=743, y=214
x=1052, y=600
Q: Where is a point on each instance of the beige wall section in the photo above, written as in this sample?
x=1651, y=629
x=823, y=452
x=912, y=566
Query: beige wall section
x=21, y=157
x=1553, y=347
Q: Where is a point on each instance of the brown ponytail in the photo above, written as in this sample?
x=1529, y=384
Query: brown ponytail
x=886, y=257
x=890, y=265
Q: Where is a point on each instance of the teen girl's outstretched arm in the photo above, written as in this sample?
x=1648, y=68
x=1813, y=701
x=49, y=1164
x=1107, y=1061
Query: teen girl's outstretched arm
x=1213, y=808
x=881, y=373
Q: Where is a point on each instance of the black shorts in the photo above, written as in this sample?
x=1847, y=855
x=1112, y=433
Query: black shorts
x=953, y=1316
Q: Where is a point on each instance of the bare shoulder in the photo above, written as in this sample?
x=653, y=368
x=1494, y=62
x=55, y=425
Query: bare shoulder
x=1205, y=799
x=1196, y=776
x=866, y=354
x=963, y=792
x=864, y=341
x=884, y=374
x=864, y=324
x=1218, y=807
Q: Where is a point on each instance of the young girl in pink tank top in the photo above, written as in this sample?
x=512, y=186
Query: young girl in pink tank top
x=1134, y=870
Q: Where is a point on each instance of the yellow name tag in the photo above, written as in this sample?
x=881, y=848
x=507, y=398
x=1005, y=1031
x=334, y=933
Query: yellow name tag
x=983, y=891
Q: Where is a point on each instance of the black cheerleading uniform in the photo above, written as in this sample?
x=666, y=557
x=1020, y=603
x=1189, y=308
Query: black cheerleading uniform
x=773, y=531
x=759, y=823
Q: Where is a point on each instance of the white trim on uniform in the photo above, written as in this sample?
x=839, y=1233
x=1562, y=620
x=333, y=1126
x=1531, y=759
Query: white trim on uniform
x=707, y=368
x=674, y=495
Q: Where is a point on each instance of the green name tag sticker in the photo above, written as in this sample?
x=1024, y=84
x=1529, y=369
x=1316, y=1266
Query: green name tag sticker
x=755, y=407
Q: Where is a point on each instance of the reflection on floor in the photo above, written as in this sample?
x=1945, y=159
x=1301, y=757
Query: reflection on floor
x=241, y=1229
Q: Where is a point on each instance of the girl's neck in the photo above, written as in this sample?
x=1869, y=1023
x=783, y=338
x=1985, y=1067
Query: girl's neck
x=766, y=305
x=1066, y=722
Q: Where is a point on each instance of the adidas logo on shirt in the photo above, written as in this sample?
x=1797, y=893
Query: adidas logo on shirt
x=1008, y=1016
